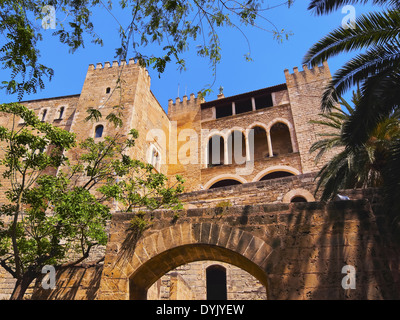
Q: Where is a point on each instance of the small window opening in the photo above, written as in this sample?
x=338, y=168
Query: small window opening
x=99, y=131
x=298, y=199
x=276, y=175
x=225, y=183
x=216, y=283
x=61, y=113
x=108, y=90
x=243, y=106
x=44, y=115
x=215, y=151
x=264, y=101
x=223, y=111
x=155, y=159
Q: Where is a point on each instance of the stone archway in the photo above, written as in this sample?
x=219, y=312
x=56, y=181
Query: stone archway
x=307, y=195
x=130, y=273
x=152, y=270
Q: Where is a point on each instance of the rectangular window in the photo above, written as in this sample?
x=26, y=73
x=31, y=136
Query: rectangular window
x=264, y=101
x=223, y=111
x=243, y=106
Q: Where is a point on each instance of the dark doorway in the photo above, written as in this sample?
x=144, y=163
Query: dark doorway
x=216, y=283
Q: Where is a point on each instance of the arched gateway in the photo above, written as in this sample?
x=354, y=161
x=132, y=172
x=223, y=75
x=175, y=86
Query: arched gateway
x=132, y=268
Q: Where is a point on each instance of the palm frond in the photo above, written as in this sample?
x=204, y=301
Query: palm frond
x=372, y=29
x=320, y=7
x=380, y=97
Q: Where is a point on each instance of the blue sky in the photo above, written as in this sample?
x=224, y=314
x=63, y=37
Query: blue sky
x=234, y=73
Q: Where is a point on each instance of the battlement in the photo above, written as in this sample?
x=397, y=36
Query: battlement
x=126, y=66
x=115, y=64
x=318, y=73
x=185, y=101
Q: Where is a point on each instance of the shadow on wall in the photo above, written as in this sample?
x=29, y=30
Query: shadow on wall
x=310, y=244
x=307, y=262
x=73, y=283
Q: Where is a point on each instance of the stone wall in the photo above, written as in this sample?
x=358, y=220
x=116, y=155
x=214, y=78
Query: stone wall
x=73, y=283
x=188, y=282
x=305, y=90
x=309, y=245
x=269, y=191
x=297, y=250
x=250, y=172
x=185, y=144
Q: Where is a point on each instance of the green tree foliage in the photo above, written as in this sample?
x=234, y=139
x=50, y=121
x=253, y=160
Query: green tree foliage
x=361, y=167
x=52, y=216
x=376, y=70
x=172, y=25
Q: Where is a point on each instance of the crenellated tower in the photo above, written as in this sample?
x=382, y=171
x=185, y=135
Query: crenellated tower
x=305, y=89
x=123, y=88
x=185, y=132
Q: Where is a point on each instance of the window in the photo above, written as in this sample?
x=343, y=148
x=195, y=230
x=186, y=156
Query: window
x=98, y=131
x=280, y=137
x=258, y=143
x=155, y=159
x=236, y=148
x=44, y=115
x=216, y=283
x=276, y=175
x=60, y=116
x=215, y=151
x=108, y=90
x=242, y=106
x=264, y=101
x=223, y=111
x=298, y=199
x=225, y=183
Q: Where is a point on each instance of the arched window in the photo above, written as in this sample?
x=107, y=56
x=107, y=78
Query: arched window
x=298, y=199
x=215, y=151
x=258, y=143
x=44, y=113
x=280, y=138
x=60, y=116
x=236, y=148
x=216, y=283
x=155, y=159
x=225, y=183
x=276, y=175
x=98, y=132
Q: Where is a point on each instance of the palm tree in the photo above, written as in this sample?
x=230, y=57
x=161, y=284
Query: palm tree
x=376, y=71
x=362, y=166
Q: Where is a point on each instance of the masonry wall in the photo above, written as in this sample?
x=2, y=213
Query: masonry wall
x=52, y=106
x=124, y=90
x=188, y=282
x=250, y=171
x=185, y=145
x=309, y=245
x=305, y=90
x=269, y=191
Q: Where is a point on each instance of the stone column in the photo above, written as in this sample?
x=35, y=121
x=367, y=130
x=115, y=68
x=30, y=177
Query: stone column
x=270, y=151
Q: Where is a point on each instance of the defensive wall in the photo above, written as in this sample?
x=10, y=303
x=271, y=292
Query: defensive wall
x=295, y=250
